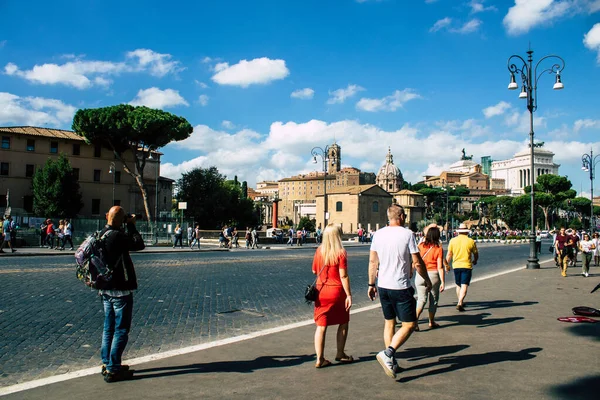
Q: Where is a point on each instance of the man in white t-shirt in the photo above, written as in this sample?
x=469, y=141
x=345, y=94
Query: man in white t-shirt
x=393, y=254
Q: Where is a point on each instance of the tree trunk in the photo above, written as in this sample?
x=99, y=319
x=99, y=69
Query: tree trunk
x=139, y=180
x=545, y=210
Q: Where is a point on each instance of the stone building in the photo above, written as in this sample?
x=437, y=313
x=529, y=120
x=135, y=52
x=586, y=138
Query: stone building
x=389, y=177
x=25, y=149
x=516, y=171
x=414, y=205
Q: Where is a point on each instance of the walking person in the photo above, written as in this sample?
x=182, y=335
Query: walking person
x=562, y=249
x=190, y=235
x=392, y=254
x=587, y=247
x=178, y=235
x=596, y=241
x=299, y=237
x=462, y=251
x=196, y=237
x=117, y=298
x=60, y=235
x=332, y=307
x=433, y=256
x=248, y=237
x=538, y=242
x=68, y=236
x=235, y=238
x=6, y=230
x=254, y=237
x=43, y=228
x=291, y=236
x=50, y=234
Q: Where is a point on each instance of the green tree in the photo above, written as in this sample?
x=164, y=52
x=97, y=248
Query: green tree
x=245, y=190
x=551, y=191
x=126, y=129
x=56, y=189
x=307, y=223
x=213, y=201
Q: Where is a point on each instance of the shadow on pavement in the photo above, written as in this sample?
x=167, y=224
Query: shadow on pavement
x=480, y=320
x=241, y=366
x=586, y=329
x=582, y=388
x=455, y=363
x=419, y=353
x=485, y=305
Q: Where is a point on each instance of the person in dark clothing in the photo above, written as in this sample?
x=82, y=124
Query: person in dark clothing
x=117, y=297
x=43, y=228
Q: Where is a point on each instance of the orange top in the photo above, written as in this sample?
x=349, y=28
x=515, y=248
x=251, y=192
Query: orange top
x=432, y=256
x=331, y=274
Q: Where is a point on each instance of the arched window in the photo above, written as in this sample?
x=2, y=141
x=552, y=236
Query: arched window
x=375, y=206
x=338, y=206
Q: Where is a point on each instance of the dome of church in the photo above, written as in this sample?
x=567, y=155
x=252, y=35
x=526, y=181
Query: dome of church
x=389, y=176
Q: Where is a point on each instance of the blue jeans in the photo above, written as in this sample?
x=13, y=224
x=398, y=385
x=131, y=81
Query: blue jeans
x=117, y=322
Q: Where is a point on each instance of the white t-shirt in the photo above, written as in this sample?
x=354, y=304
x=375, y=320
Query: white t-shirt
x=394, y=246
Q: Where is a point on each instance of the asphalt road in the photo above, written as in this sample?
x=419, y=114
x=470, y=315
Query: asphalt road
x=50, y=323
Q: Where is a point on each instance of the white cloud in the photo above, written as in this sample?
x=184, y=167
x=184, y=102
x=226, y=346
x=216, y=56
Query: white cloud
x=155, y=98
x=585, y=124
x=520, y=121
x=477, y=6
x=388, y=103
x=591, y=40
x=203, y=100
x=441, y=24
x=340, y=95
x=498, y=109
x=304, y=94
x=35, y=111
x=468, y=27
x=228, y=124
x=82, y=74
x=202, y=85
x=245, y=73
x=527, y=14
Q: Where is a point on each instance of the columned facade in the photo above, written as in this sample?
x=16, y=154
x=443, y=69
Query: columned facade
x=516, y=171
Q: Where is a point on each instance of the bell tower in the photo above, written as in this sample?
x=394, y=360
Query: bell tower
x=334, y=157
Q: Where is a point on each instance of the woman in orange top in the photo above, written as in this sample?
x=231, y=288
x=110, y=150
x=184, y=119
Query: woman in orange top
x=432, y=254
x=335, y=299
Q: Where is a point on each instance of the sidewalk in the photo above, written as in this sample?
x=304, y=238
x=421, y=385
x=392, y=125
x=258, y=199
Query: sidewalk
x=507, y=345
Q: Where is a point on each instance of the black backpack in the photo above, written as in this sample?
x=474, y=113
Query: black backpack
x=92, y=268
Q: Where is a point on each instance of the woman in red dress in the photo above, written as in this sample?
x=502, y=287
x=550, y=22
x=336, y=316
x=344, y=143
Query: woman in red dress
x=335, y=299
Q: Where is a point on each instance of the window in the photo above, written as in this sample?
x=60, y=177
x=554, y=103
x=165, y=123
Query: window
x=338, y=206
x=53, y=147
x=30, y=145
x=96, y=175
x=165, y=200
x=4, y=169
x=117, y=202
x=6, y=142
x=117, y=176
x=97, y=150
x=76, y=149
x=29, y=168
x=28, y=203
x=95, y=206
x=375, y=206
x=76, y=173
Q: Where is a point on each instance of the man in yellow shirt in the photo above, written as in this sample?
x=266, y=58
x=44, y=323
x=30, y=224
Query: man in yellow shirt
x=463, y=253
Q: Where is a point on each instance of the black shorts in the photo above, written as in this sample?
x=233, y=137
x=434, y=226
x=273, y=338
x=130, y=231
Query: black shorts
x=398, y=303
x=462, y=276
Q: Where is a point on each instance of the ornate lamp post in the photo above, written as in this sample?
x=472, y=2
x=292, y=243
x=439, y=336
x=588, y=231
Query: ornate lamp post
x=530, y=77
x=111, y=171
x=588, y=163
x=447, y=190
x=323, y=153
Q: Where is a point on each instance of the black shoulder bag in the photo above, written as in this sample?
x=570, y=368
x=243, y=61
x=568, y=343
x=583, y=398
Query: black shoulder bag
x=311, y=293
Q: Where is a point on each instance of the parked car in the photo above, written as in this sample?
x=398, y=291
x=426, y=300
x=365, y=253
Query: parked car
x=545, y=234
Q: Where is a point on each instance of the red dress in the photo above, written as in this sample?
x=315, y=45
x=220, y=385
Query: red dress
x=330, y=307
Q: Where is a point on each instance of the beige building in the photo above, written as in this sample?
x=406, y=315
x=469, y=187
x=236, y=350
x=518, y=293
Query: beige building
x=413, y=203
x=26, y=149
x=389, y=177
x=353, y=207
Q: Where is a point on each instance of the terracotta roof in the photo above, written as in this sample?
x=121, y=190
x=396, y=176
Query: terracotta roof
x=351, y=189
x=307, y=178
x=406, y=191
x=45, y=132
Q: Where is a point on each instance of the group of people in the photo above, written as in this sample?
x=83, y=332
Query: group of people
x=568, y=243
x=394, y=257
x=63, y=233
x=8, y=234
x=364, y=235
x=298, y=236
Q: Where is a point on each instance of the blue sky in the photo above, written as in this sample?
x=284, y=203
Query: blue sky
x=263, y=82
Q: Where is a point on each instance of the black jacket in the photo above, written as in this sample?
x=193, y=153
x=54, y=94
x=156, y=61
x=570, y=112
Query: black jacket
x=118, y=245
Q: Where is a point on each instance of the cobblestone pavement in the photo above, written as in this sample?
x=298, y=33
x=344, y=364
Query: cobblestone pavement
x=50, y=323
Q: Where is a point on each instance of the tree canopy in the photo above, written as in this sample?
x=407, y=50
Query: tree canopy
x=56, y=191
x=124, y=128
x=550, y=192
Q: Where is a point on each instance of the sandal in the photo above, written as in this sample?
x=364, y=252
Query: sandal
x=324, y=363
x=346, y=359
x=435, y=325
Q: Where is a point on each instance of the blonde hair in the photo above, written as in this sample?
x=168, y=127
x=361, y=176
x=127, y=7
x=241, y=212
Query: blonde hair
x=332, y=247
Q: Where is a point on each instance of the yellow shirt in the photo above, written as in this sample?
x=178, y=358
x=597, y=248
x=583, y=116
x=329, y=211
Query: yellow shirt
x=462, y=247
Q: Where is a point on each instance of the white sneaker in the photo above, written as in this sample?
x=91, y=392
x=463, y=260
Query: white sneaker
x=387, y=363
x=586, y=274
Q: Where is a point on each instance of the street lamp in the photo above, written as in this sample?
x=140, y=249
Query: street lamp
x=445, y=189
x=111, y=170
x=530, y=77
x=156, y=159
x=588, y=163
x=323, y=153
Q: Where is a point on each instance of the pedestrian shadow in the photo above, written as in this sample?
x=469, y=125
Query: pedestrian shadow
x=582, y=388
x=590, y=330
x=240, y=366
x=455, y=363
x=420, y=353
x=486, y=305
x=480, y=320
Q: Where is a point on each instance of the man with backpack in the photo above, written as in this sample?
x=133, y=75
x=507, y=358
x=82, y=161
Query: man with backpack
x=117, y=295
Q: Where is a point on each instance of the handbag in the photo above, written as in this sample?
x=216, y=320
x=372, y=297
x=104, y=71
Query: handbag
x=311, y=293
